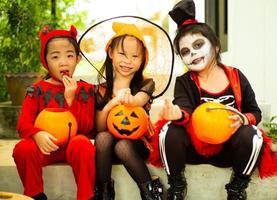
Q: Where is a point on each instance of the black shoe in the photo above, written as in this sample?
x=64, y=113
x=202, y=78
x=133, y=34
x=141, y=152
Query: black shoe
x=97, y=194
x=236, y=188
x=178, y=187
x=40, y=196
x=157, y=188
x=151, y=190
x=104, y=192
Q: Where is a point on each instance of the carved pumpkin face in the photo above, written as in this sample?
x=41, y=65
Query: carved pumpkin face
x=211, y=124
x=127, y=122
x=59, y=122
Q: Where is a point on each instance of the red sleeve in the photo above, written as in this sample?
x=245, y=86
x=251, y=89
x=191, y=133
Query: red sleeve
x=184, y=120
x=251, y=118
x=28, y=113
x=83, y=107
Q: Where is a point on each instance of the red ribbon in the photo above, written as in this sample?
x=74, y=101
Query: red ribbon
x=189, y=21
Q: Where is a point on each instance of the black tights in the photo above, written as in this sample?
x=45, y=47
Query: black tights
x=131, y=153
x=235, y=153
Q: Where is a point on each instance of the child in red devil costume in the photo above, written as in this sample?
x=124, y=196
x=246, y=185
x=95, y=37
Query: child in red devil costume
x=209, y=80
x=59, y=55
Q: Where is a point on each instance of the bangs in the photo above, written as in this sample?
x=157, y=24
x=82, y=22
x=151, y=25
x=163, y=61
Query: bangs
x=118, y=42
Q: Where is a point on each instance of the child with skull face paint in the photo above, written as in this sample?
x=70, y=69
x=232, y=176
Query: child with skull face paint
x=207, y=80
x=59, y=55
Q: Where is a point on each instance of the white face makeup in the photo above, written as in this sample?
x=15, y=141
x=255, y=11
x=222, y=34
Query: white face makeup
x=196, y=51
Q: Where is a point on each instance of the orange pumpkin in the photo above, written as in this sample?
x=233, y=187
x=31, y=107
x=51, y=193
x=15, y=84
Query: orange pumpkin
x=211, y=124
x=59, y=122
x=127, y=122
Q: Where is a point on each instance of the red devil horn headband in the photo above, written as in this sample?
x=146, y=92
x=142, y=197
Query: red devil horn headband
x=46, y=35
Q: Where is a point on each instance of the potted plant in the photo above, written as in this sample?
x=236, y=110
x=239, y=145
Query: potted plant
x=19, y=49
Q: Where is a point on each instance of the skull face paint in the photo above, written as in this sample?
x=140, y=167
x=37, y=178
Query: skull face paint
x=196, y=51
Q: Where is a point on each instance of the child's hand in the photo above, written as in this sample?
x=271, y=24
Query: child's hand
x=170, y=111
x=70, y=89
x=238, y=118
x=45, y=142
x=112, y=103
x=125, y=97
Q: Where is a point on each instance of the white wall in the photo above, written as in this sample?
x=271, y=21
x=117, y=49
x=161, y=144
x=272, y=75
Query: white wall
x=252, y=42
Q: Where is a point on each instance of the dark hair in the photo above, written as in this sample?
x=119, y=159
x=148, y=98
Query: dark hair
x=201, y=28
x=107, y=68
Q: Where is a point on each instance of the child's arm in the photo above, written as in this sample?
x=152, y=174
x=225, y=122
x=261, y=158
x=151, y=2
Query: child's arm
x=82, y=107
x=141, y=98
x=28, y=114
x=102, y=115
x=125, y=97
x=170, y=112
x=25, y=124
x=70, y=89
x=249, y=105
x=181, y=103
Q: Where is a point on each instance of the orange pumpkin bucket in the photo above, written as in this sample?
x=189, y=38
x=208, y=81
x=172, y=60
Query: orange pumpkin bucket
x=59, y=122
x=211, y=124
x=127, y=122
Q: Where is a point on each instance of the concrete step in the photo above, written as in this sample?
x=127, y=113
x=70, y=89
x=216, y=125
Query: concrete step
x=204, y=181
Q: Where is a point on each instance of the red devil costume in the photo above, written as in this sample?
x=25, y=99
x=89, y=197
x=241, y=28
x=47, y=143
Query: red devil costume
x=79, y=153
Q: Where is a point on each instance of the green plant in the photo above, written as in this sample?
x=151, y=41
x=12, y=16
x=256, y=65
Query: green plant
x=19, y=44
x=271, y=128
x=20, y=22
x=19, y=35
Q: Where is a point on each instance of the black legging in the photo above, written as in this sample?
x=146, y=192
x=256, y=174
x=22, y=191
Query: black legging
x=236, y=151
x=131, y=153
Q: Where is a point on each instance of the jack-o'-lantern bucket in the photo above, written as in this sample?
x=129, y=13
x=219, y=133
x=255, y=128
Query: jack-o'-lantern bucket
x=127, y=122
x=59, y=122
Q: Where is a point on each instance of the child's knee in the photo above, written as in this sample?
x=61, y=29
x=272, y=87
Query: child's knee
x=24, y=148
x=80, y=144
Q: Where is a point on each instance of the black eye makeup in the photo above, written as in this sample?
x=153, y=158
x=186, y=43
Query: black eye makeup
x=195, y=45
x=198, y=44
x=184, y=51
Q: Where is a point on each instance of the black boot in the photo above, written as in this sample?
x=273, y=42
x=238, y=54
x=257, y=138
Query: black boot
x=151, y=190
x=105, y=191
x=40, y=196
x=178, y=187
x=236, y=188
x=157, y=188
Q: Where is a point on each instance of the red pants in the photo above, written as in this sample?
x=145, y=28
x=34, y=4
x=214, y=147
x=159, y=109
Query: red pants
x=79, y=154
